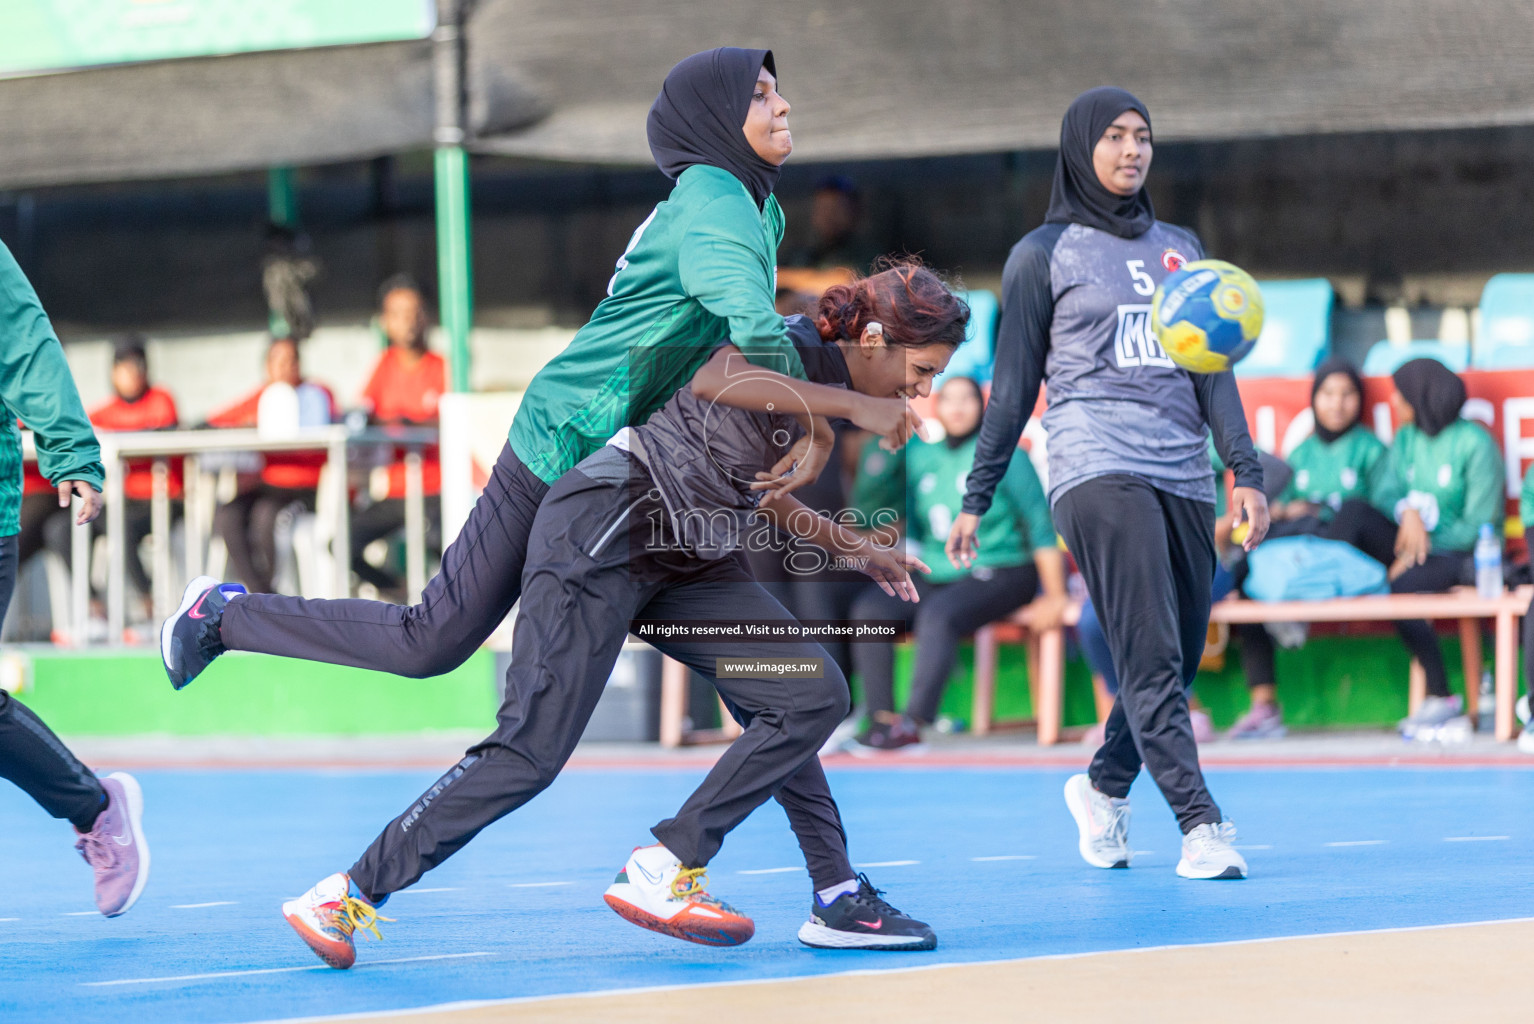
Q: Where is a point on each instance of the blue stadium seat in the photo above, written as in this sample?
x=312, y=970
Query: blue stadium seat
x=1296, y=329
x=1384, y=358
x=1506, y=338
x=977, y=356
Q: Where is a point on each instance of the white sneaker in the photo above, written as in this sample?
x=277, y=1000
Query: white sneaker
x=1103, y=822
x=1207, y=853
x=327, y=916
x=654, y=891
x=1432, y=713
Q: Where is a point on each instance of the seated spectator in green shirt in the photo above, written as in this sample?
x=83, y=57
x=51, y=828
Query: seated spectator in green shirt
x=922, y=486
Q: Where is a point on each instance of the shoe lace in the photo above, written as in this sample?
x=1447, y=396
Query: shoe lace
x=872, y=896
x=354, y=914
x=690, y=883
x=1117, y=828
x=98, y=853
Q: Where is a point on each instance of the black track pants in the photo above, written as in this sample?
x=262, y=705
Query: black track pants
x=1148, y=559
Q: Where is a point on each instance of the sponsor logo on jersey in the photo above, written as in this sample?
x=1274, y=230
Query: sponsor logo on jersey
x=1173, y=260
x=1134, y=343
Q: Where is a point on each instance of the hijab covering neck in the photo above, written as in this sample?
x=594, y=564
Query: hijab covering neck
x=1434, y=392
x=1077, y=197
x=957, y=441
x=1334, y=365
x=700, y=112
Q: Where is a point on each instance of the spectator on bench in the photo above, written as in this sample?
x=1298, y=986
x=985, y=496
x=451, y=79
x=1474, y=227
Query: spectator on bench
x=925, y=483
x=406, y=385
x=1341, y=461
x=248, y=523
x=1526, y=514
x=1443, y=481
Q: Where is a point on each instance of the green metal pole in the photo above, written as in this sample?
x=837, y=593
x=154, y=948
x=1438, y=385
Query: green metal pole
x=455, y=273
x=282, y=196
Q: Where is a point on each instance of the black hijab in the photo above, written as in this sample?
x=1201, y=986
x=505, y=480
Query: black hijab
x=697, y=117
x=1077, y=197
x=1434, y=392
x=1336, y=364
x=956, y=440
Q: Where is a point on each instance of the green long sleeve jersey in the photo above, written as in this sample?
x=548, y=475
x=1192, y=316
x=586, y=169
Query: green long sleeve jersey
x=699, y=271
x=924, y=484
x=1455, y=481
x=35, y=385
x=1526, y=502
x=1352, y=466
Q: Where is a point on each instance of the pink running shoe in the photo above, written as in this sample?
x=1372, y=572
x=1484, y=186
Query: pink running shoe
x=115, y=847
x=1203, y=726
x=1261, y=722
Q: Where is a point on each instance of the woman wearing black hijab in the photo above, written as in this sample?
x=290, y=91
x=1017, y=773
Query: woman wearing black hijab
x=1340, y=461
x=698, y=272
x=1131, y=485
x=1442, y=484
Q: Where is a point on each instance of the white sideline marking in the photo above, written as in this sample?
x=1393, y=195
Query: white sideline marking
x=478, y=1004
x=887, y=864
x=10, y=919
x=199, y=906
x=1142, y=853
x=82, y=913
x=273, y=970
x=445, y=888
x=534, y=885
x=1007, y=856
x=768, y=871
x=1361, y=842
x=1474, y=839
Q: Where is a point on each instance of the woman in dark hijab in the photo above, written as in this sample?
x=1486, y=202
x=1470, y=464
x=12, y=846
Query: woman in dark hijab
x=1340, y=461
x=1131, y=483
x=1442, y=485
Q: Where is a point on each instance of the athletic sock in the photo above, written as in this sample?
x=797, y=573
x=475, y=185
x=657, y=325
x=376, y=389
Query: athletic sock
x=828, y=895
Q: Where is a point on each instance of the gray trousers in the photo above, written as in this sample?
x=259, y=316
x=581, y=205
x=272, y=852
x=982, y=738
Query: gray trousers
x=590, y=571
x=31, y=756
x=1148, y=560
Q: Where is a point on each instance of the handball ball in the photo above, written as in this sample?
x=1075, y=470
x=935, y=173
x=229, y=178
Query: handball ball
x=1207, y=315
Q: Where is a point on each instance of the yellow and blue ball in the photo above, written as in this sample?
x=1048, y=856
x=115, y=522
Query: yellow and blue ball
x=1207, y=315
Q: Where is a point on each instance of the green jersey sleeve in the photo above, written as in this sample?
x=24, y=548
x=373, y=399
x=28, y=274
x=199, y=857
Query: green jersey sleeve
x=1021, y=482
x=725, y=263
x=1526, y=500
x=1484, y=497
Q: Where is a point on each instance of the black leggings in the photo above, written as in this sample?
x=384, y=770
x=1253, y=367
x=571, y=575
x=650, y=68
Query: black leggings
x=248, y=525
x=31, y=756
x=946, y=614
x=1372, y=532
x=1148, y=560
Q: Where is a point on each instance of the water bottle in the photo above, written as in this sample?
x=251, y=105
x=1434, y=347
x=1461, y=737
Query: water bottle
x=1486, y=707
x=1488, y=563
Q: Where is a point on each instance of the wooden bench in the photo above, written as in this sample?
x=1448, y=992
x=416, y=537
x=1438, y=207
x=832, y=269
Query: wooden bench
x=1047, y=659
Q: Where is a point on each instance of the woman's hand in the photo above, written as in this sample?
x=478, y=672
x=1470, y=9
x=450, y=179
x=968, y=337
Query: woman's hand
x=1251, y=505
x=962, y=547
x=801, y=466
x=888, y=567
x=1412, y=542
x=1046, y=612
x=893, y=419
x=90, y=499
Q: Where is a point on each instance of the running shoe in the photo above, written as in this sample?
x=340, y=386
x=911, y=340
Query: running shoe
x=189, y=639
x=1431, y=714
x=1525, y=738
x=842, y=736
x=863, y=920
x=880, y=737
x=654, y=891
x=1261, y=722
x=1202, y=725
x=328, y=915
x=1207, y=853
x=115, y=847
x=1101, y=820
x=1094, y=736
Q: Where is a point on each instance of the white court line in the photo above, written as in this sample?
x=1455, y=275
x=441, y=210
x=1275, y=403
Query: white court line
x=768, y=871
x=1474, y=839
x=199, y=906
x=445, y=888
x=1007, y=856
x=479, y=1004
x=534, y=885
x=887, y=864
x=9, y=919
x=1360, y=842
x=272, y=970
x=1142, y=853
x=82, y=913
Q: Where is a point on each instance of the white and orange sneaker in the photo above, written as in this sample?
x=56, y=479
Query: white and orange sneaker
x=654, y=891
x=327, y=915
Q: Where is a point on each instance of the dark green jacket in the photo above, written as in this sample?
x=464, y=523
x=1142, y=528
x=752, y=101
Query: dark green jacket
x=36, y=386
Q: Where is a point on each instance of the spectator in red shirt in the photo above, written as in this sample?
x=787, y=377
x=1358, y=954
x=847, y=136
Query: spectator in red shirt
x=248, y=524
x=405, y=387
x=136, y=406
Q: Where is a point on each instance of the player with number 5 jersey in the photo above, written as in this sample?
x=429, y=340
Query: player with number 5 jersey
x=1130, y=483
